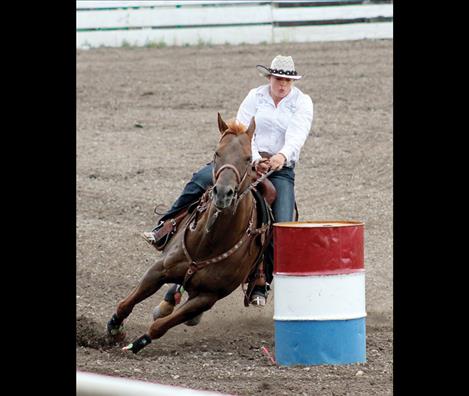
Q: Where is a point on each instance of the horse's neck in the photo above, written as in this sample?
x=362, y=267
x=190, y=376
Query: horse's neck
x=229, y=224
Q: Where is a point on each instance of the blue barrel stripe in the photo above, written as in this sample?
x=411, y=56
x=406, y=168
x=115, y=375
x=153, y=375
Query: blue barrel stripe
x=315, y=342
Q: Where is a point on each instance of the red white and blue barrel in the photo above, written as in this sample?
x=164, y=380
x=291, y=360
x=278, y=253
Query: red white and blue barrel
x=319, y=304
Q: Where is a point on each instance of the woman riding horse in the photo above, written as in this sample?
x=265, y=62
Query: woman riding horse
x=283, y=115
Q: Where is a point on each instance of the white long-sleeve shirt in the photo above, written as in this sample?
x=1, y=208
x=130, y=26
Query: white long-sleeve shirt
x=281, y=129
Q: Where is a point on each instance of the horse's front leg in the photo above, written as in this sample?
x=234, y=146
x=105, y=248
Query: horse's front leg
x=151, y=281
x=189, y=310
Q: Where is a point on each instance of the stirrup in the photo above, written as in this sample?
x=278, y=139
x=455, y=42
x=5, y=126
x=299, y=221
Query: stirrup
x=258, y=300
x=161, y=234
x=149, y=237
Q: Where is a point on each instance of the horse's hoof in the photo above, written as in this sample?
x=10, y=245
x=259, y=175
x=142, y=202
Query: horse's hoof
x=194, y=321
x=162, y=310
x=138, y=344
x=115, y=330
x=128, y=347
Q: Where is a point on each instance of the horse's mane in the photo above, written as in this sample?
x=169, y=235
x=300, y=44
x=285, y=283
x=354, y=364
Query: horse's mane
x=236, y=126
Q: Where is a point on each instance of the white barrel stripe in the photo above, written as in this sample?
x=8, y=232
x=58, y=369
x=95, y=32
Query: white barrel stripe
x=324, y=297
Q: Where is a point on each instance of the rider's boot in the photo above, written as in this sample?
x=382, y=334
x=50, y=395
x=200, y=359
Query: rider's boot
x=160, y=235
x=165, y=229
x=152, y=236
x=261, y=289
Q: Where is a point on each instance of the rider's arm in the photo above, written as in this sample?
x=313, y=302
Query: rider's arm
x=298, y=128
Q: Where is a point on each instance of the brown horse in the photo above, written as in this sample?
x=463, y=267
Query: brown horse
x=215, y=248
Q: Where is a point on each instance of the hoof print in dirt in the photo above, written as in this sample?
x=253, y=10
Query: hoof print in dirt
x=117, y=339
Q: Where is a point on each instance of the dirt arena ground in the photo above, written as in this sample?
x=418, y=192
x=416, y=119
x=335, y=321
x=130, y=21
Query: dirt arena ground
x=146, y=119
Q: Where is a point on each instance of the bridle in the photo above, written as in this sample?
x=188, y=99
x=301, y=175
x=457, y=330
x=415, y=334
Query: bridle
x=239, y=179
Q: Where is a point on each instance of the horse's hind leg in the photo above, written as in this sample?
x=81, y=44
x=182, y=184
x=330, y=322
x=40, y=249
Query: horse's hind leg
x=149, y=284
x=189, y=310
x=170, y=300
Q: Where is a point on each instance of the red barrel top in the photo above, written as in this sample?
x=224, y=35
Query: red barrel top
x=318, y=247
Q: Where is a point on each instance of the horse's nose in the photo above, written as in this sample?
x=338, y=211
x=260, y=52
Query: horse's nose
x=223, y=195
x=223, y=191
x=230, y=192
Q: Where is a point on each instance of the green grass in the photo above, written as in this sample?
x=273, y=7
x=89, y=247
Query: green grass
x=125, y=44
x=203, y=43
x=154, y=44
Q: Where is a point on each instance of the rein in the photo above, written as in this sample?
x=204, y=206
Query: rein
x=255, y=183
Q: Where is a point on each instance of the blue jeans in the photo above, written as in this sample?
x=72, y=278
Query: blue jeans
x=282, y=208
x=193, y=190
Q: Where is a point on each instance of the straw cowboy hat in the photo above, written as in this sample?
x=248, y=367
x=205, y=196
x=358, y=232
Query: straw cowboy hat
x=281, y=66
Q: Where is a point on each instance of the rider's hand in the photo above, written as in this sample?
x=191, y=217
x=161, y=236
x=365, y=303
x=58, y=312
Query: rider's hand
x=277, y=161
x=261, y=165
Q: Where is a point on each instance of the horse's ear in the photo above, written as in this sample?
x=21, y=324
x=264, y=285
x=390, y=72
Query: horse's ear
x=222, y=127
x=251, y=128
